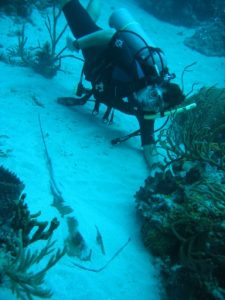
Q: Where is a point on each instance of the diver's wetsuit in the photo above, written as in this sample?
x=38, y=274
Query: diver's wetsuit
x=117, y=78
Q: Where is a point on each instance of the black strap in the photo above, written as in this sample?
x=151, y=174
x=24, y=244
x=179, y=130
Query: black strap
x=135, y=133
x=125, y=138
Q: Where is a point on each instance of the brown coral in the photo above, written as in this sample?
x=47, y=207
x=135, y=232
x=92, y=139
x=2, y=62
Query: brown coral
x=18, y=229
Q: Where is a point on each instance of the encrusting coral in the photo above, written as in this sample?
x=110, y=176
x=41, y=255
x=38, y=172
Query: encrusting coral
x=183, y=204
x=207, y=17
x=208, y=39
x=19, y=267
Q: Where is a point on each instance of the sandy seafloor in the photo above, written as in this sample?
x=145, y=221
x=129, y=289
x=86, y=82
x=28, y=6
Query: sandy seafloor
x=96, y=179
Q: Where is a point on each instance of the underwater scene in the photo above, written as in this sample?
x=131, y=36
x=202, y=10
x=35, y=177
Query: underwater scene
x=112, y=150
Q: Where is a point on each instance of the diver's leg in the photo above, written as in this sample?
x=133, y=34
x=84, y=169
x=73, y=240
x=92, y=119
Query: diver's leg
x=94, y=9
x=78, y=19
x=62, y=3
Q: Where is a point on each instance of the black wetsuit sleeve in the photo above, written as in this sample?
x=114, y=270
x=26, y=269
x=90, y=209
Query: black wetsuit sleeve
x=147, y=131
x=146, y=126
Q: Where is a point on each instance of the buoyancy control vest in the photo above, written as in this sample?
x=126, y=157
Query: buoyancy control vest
x=130, y=61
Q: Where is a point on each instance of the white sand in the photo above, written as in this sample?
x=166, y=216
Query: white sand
x=97, y=180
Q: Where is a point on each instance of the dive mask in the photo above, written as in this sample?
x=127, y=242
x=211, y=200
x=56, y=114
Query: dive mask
x=150, y=98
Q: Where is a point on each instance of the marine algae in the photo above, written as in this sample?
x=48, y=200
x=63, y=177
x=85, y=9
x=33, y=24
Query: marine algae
x=183, y=205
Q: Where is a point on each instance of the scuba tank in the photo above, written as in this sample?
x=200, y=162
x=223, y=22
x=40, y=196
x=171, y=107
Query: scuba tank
x=137, y=40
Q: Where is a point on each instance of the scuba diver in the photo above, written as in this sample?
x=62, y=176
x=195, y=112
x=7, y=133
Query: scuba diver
x=126, y=71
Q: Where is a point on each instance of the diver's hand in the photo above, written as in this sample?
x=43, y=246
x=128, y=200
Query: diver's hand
x=72, y=44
